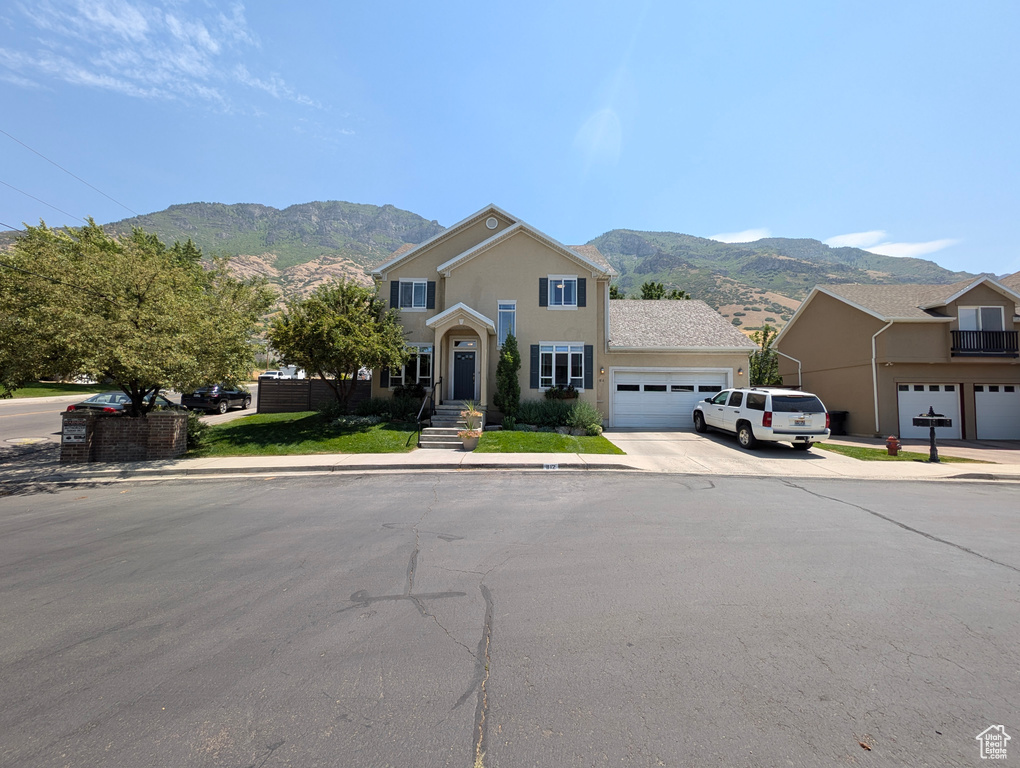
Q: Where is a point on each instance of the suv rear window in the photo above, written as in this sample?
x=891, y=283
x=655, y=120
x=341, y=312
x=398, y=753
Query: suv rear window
x=756, y=401
x=797, y=404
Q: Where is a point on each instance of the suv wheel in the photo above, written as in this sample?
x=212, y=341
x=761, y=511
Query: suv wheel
x=699, y=422
x=246, y=403
x=745, y=436
x=222, y=407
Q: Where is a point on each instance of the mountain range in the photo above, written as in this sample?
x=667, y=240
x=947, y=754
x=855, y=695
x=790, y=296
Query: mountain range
x=304, y=245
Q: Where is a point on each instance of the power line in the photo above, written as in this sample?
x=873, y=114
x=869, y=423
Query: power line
x=16, y=229
x=12, y=138
x=43, y=202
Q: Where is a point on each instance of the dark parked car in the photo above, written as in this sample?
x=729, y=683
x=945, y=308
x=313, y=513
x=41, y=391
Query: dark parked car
x=118, y=402
x=217, y=398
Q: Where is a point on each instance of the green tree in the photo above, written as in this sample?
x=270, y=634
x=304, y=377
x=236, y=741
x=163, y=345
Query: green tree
x=339, y=328
x=508, y=385
x=615, y=292
x=652, y=290
x=764, y=364
x=83, y=303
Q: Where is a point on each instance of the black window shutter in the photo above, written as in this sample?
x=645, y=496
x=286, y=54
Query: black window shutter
x=394, y=294
x=384, y=378
x=430, y=295
x=543, y=291
x=534, y=366
x=589, y=366
x=582, y=292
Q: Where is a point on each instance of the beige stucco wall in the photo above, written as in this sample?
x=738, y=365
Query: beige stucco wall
x=833, y=342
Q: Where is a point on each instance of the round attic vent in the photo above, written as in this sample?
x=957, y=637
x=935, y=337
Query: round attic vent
x=491, y=222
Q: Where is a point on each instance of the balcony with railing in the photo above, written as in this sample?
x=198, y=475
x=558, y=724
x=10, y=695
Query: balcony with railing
x=985, y=344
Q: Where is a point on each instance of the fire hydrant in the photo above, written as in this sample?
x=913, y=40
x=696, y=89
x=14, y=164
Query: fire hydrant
x=892, y=445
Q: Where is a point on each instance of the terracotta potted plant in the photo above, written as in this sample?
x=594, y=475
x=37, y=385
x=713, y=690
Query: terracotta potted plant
x=472, y=426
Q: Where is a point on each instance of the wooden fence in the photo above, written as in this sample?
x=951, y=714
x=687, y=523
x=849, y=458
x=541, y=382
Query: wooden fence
x=289, y=395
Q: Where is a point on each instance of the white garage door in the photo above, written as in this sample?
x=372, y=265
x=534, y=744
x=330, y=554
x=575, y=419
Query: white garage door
x=915, y=399
x=997, y=411
x=661, y=399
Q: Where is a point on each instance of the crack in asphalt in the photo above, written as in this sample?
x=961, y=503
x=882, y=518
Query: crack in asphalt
x=904, y=526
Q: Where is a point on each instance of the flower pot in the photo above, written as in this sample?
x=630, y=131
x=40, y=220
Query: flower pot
x=469, y=443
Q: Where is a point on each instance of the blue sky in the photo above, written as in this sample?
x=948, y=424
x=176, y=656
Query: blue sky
x=890, y=126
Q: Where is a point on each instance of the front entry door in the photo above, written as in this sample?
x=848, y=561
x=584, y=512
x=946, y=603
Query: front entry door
x=463, y=375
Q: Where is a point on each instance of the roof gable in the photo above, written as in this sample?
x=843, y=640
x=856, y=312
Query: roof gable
x=405, y=254
x=995, y=285
x=522, y=228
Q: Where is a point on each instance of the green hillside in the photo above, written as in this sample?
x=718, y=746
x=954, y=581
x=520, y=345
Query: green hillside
x=739, y=273
x=366, y=234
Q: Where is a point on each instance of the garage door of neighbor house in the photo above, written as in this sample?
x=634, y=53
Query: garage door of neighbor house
x=661, y=399
x=915, y=399
x=997, y=411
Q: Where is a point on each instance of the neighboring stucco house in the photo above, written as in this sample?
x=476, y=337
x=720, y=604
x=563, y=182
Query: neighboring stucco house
x=886, y=353
x=641, y=363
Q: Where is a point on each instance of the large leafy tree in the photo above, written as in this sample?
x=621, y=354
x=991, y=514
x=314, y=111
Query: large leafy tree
x=764, y=365
x=339, y=328
x=130, y=310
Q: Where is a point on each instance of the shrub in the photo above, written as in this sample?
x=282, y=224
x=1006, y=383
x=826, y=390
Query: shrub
x=544, y=413
x=356, y=422
x=510, y=423
x=196, y=430
x=405, y=408
x=584, y=416
x=508, y=386
x=407, y=391
x=331, y=409
x=560, y=392
x=376, y=406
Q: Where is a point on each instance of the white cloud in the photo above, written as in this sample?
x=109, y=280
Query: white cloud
x=170, y=49
x=911, y=250
x=747, y=236
x=857, y=239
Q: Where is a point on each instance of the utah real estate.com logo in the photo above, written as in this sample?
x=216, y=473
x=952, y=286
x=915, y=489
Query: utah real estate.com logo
x=993, y=742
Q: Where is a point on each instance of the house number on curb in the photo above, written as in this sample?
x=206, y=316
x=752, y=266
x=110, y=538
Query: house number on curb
x=550, y=466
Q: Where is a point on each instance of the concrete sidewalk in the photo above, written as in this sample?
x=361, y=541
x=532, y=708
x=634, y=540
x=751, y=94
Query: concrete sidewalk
x=672, y=453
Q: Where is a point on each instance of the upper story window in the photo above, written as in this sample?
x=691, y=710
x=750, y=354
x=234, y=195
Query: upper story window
x=413, y=293
x=982, y=319
x=507, y=320
x=562, y=292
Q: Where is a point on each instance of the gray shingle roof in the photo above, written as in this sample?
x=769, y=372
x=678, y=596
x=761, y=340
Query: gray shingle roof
x=671, y=324
x=592, y=253
x=903, y=301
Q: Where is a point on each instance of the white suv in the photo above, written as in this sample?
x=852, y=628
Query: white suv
x=765, y=413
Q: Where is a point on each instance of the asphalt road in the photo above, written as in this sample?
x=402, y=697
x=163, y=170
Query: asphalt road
x=521, y=618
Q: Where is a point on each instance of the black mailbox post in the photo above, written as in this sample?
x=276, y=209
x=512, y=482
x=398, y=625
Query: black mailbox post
x=932, y=420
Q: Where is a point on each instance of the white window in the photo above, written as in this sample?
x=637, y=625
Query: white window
x=981, y=319
x=418, y=368
x=413, y=294
x=562, y=290
x=507, y=320
x=561, y=365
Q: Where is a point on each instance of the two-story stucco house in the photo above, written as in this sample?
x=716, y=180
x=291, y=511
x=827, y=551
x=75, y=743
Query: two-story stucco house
x=641, y=363
x=887, y=353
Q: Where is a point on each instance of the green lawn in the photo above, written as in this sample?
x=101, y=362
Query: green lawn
x=281, y=434
x=542, y=442
x=53, y=388
x=880, y=454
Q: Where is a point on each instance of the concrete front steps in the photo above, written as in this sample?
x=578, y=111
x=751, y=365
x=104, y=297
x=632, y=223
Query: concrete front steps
x=446, y=423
